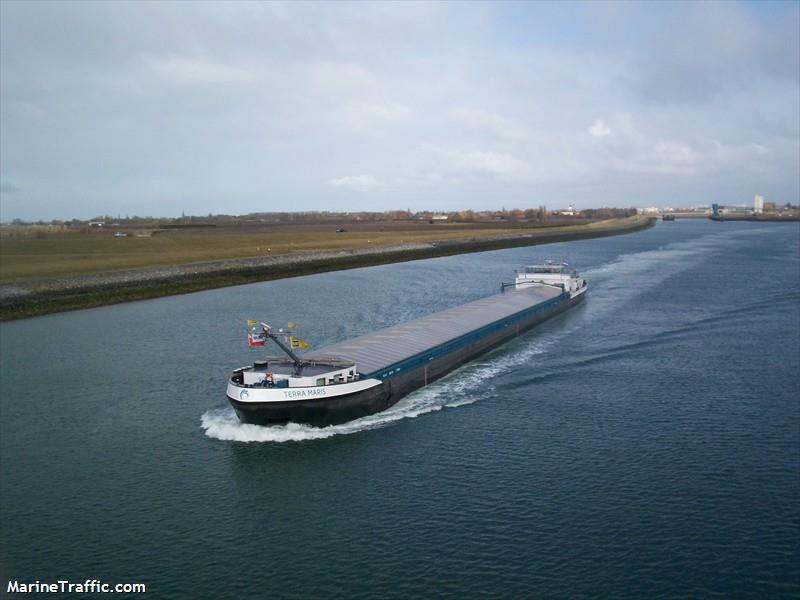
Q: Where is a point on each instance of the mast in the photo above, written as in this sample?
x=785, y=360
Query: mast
x=298, y=362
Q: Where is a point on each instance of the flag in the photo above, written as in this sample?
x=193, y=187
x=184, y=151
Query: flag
x=251, y=323
x=256, y=339
x=292, y=325
x=298, y=343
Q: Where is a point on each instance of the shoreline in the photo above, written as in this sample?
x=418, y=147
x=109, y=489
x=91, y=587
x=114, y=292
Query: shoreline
x=757, y=218
x=34, y=298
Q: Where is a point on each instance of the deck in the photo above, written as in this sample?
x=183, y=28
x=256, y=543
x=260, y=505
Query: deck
x=378, y=351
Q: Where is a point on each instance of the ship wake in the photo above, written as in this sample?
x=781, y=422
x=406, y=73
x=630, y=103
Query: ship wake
x=460, y=388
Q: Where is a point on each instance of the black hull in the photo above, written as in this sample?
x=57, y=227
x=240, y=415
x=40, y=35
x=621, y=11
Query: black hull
x=318, y=412
x=335, y=410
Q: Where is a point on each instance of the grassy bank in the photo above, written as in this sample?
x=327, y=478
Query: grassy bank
x=71, y=297
x=94, y=250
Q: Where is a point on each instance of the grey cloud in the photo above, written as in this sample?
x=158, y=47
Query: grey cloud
x=700, y=51
x=202, y=107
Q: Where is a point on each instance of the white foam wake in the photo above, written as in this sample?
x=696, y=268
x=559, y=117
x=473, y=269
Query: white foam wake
x=643, y=270
x=462, y=387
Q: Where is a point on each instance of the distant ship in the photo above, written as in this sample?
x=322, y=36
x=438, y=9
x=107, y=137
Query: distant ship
x=368, y=374
x=668, y=218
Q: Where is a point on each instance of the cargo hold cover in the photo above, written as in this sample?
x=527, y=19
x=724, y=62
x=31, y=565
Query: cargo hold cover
x=383, y=348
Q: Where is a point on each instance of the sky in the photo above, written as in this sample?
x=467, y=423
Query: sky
x=159, y=108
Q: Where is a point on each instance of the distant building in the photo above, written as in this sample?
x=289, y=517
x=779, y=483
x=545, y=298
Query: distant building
x=758, y=205
x=96, y=223
x=719, y=210
x=650, y=210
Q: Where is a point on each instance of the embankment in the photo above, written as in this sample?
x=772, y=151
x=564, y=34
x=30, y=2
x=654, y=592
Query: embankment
x=30, y=298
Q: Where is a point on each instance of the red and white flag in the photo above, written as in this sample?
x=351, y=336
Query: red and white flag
x=256, y=339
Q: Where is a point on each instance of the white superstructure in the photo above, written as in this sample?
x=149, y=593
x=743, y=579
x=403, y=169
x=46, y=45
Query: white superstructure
x=297, y=389
x=555, y=274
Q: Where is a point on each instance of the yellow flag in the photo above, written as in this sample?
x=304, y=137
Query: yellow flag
x=251, y=323
x=298, y=343
x=292, y=325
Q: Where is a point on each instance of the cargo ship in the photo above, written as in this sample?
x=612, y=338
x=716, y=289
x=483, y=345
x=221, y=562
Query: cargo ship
x=370, y=373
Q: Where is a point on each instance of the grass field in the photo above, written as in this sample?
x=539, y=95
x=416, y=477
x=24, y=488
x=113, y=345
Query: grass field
x=24, y=258
x=29, y=260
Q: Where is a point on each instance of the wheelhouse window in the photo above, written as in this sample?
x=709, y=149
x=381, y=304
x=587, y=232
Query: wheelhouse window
x=542, y=270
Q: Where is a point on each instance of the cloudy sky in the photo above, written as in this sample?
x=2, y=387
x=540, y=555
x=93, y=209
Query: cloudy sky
x=154, y=108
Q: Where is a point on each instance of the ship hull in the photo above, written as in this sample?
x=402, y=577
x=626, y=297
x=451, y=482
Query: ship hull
x=321, y=412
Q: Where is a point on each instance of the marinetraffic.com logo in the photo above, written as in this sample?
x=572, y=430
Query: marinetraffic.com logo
x=89, y=586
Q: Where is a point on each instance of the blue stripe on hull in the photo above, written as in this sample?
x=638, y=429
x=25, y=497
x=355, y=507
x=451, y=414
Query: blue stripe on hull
x=544, y=309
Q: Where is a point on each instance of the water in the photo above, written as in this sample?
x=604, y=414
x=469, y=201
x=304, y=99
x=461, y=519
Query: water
x=645, y=443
